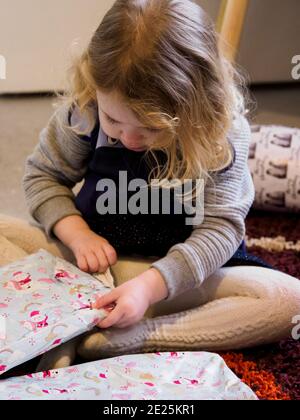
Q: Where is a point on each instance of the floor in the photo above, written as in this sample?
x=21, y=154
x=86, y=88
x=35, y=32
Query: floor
x=23, y=117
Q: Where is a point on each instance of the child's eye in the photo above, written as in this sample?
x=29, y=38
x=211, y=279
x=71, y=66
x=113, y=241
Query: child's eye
x=111, y=120
x=153, y=130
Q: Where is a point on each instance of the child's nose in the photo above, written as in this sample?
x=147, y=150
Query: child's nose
x=131, y=136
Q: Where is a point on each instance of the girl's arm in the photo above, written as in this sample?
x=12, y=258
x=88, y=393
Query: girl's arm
x=57, y=163
x=214, y=242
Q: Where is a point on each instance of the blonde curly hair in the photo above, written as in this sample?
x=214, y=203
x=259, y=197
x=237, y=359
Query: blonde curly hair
x=163, y=58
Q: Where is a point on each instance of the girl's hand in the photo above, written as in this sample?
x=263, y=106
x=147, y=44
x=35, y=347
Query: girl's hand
x=93, y=252
x=132, y=299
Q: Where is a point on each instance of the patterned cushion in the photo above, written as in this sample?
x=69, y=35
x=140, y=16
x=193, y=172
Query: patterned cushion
x=274, y=162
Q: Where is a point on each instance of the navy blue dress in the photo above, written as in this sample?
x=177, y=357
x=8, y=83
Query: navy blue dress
x=139, y=234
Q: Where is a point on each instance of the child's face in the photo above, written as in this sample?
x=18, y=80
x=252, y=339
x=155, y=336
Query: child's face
x=119, y=122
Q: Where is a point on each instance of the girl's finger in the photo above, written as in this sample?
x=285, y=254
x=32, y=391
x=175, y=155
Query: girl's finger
x=82, y=263
x=105, y=300
x=115, y=316
x=111, y=254
x=92, y=262
x=102, y=259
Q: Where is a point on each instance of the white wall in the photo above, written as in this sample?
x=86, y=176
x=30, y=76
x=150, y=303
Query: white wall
x=36, y=38
x=270, y=39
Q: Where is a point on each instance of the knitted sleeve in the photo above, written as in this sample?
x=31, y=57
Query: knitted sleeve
x=227, y=201
x=57, y=163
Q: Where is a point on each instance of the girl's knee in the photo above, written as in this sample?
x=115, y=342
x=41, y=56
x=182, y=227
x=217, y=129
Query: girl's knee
x=284, y=302
x=275, y=295
x=291, y=290
x=281, y=290
x=253, y=281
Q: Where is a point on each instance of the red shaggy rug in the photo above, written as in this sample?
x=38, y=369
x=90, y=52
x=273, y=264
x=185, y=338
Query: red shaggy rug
x=272, y=371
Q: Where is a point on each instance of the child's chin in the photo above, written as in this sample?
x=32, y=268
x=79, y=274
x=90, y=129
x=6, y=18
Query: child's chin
x=134, y=149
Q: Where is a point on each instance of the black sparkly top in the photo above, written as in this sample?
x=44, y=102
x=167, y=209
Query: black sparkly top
x=139, y=234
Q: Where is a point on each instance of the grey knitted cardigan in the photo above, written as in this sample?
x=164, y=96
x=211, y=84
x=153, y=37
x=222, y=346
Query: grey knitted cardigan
x=59, y=162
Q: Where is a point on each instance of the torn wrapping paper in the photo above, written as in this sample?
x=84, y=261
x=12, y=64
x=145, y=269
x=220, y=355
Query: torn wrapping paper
x=44, y=301
x=153, y=376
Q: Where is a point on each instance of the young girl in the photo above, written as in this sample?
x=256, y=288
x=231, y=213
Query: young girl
x=152, y=97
